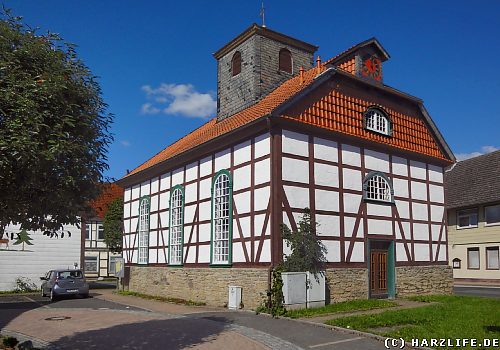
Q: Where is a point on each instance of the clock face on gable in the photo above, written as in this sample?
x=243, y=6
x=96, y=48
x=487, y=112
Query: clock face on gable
x=371, y=67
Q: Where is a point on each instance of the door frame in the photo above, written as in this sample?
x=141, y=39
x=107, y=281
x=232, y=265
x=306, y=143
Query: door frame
x=391, y=267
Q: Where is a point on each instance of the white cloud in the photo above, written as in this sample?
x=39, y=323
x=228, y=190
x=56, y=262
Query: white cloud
x=484, y=150
x=125, y=143
x=178, y=99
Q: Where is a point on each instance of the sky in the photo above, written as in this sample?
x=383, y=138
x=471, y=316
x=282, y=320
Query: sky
x=158, y=76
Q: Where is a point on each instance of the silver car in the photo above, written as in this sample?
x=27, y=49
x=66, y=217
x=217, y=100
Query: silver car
x=58, y=283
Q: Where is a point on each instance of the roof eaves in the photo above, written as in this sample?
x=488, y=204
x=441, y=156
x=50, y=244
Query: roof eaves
x=351, y=50
x=436, y=132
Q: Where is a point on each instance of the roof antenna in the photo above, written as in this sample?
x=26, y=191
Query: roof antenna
x=262, y=14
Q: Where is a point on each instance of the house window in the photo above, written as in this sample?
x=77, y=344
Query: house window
x=221, y=218
x=94, y=230
x=492, y=261
x=457, y=263
x=236, y=63
x=473, y=258
x=176, y=226
x=492, y=215
x=285, y=61
x=87, y=231
x=377, y=187
x=100, y=231
x=91, y=264
x=144, y=230
x=378, y=121
x=467, y=218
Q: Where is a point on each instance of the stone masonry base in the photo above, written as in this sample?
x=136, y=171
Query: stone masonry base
x=417, y=280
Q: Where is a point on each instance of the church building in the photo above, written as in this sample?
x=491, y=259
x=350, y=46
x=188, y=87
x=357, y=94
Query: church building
x=293, y=132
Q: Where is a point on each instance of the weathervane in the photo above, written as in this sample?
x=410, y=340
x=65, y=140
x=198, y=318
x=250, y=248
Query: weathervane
x=262, y=14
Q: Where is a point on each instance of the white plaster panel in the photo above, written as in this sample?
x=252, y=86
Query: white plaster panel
x=297, y=197
x=295, y=170
x=204, y=232
x=351, y=202
x=259, y=225
x=155, y=184
x=327, y=200
x=265, y=255
x=165, y=182
x=261, y=198
x=189, y=211
x=190, y=192
x=164, y=219
x=442, y=253
x=153, y=239
x=328, y=225
x=164, y=200
x=417, y=170
x=152, y=256
x=295, y=143
x=379, y=209
x=421, y=252
x=436, y=230
x=376, y=161
x=191, y=255
x=403, y=208
x=126, y=225
x=419, y=211
x=134, y=210
x=332, y=251
x=418, y=190
x=178, y=177
x=127, y=194
x=242, y=152
x=145, y=188
x=262, y=145
x=262, y=171
x=435, y=173
x=161, y=256
x=153, y=221
x=437, y=212
x=238, y=254
x=191, y=171
x=407, y=230
x=436, y=193
x=352, y=179
x=204, y=253
x=326, y=175
x=134, y=256
x=245, y=226
x=325, y=149
x=205, y=188
x=399, y=166
x=126, y=210
x=187, y=233
x=133, y=225
x=242, y=202
x=241, y=178
x=135, y=191
x=358, y=252
x=223, y=160
x=287, y=250
x=351, y=155
x=401, y=252
x=205, y=210
x=206, y=166
x=349, y=224
x=379, y=227
x=421, y=232
x=400, y=187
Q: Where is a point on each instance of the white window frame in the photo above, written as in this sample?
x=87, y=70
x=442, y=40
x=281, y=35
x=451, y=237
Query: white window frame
x=91, y=260
x=378, y=188
x=377, y=121
x=143, y=231
x=486, y=223
x=495, y=251
x=221, y=219
x=176, y=228
x=467, y=213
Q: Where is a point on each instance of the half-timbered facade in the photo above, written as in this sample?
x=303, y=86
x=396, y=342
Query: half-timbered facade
x=368, y=161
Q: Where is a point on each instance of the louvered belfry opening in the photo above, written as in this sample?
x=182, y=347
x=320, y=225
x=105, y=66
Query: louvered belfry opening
x=236, y=63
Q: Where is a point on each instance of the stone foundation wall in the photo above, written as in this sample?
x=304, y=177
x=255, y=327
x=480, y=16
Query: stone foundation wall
x=209, y=285
x=435, y=279
x=346, y=284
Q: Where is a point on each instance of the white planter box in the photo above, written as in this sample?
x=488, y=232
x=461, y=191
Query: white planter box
x=302, y=290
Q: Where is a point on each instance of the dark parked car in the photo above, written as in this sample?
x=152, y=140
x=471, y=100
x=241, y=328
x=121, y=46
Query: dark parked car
x=57, y=283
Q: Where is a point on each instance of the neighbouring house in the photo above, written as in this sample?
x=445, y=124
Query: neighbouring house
x=473, y=206
x=292, y=132
x=99, y=261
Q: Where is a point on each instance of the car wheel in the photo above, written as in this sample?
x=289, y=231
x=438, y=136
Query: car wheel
x=53, y=296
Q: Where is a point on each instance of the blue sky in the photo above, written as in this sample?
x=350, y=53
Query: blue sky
x=157, y=73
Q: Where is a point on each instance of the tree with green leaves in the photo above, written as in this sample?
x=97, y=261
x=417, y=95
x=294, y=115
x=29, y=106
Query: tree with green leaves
x=113, y=224
x=54, y=130
x=307, y=251
x=22, y=238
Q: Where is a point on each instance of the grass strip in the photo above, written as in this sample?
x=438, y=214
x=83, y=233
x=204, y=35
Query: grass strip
x=346, y=306
x=160, y=298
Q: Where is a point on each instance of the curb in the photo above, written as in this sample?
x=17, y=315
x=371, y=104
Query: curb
x=37, y=343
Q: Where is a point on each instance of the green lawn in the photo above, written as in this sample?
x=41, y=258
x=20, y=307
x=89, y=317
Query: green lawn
x=452, y=317
x=346, y=306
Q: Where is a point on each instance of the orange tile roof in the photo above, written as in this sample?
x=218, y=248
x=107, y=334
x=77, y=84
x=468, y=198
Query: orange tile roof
x=109, y=193
x=333, y=112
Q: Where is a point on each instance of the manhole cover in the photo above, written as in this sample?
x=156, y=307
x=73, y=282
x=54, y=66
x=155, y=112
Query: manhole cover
x=57, y=318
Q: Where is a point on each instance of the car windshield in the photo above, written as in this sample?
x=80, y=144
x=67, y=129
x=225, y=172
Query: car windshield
x=70, y=274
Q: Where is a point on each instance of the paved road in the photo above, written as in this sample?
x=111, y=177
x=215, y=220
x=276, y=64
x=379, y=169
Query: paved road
x=478, y=291
x=102, y=324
